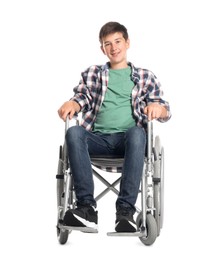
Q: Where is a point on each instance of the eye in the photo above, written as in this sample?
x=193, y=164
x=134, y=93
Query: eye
x=118, y=41
x=107, y=44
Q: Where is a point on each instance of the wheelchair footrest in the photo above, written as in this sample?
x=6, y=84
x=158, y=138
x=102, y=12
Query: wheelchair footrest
x=126, y=234
x=82, y=229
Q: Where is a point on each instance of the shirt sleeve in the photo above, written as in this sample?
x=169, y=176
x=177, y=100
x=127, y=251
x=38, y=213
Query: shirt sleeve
x=82, y=93
x=154, y=93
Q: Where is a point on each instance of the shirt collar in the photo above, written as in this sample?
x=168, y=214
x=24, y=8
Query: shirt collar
x=135, y=75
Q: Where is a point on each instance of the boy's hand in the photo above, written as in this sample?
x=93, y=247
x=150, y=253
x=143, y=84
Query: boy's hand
x=68, y=108
x=154, y=111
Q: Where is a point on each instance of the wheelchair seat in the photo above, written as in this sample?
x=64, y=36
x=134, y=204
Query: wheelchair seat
x=108, y=163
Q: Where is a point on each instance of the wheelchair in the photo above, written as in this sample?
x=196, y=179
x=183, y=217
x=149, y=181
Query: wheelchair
x=150, y=213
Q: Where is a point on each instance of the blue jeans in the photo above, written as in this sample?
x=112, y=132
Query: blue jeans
x=130, y=145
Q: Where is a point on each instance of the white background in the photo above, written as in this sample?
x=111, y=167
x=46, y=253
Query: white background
x=44, y=45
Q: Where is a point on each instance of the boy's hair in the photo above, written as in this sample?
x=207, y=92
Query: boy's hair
x=112, y=27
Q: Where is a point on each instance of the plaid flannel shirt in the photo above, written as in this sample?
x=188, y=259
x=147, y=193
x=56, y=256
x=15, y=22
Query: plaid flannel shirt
x=90, y=93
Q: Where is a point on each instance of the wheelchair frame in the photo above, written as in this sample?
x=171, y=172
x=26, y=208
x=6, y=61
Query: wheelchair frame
x=150, y=217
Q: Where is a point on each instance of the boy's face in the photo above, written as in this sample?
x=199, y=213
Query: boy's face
x=114, y=46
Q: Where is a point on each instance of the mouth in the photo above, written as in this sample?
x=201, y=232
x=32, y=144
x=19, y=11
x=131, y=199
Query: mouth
x=115, y=54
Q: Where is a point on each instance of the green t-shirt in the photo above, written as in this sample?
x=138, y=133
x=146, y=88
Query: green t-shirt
x=115, y=114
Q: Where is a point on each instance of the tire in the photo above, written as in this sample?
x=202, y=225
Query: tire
x=60, y=178
x=157, y=206
x=159, y=183
x=62, y=235
x=151, y=227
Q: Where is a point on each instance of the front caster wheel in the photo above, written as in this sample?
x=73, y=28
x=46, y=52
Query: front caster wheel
x=151, y=227
x=62, y=235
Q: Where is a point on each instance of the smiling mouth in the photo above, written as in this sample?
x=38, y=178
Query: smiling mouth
x=115, y=54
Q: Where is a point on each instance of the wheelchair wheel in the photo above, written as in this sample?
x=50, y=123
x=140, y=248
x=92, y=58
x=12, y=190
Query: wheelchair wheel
x=151, y=227
x=60, y=178
x=62, y=235
x=159, y=183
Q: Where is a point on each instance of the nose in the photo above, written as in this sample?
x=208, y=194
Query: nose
x=113, y=47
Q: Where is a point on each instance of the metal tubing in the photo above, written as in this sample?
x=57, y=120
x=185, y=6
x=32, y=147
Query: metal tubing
x=109, y=185
x=67, y=124
x=149, y=145
x=146, y=169
x=66, y=192
x=143, y=198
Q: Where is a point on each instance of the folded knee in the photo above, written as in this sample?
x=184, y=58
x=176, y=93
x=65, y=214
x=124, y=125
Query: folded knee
x=136, y=135
x=74, y=134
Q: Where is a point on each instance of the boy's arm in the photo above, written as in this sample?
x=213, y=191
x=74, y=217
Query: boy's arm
x=156, y=107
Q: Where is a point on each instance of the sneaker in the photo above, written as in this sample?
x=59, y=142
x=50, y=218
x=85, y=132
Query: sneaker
x=82, y=216
x=124, y=221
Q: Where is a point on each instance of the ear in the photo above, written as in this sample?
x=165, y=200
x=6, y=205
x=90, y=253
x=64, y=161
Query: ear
x=128, y=43
x=102, y=49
